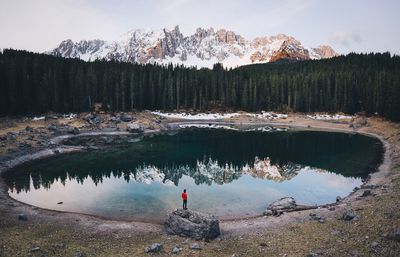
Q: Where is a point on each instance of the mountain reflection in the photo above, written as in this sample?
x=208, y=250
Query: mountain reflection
x=208, y=157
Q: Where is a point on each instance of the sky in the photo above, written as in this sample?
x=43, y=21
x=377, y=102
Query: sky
x=346, y=25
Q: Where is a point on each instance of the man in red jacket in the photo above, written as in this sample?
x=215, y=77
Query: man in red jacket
x=184, y=199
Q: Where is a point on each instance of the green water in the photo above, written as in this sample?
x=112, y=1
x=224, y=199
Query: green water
x=227, y=173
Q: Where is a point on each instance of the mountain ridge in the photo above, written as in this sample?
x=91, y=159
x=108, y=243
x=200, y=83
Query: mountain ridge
x=204, y=48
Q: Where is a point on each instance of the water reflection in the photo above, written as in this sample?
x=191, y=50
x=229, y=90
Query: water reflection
x=207, y=156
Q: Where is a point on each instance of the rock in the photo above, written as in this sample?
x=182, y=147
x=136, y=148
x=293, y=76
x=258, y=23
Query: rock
x=348, y=215
x=74, y=131
x=176, y=249
x=395, y=235
x=80, y=254
x=374, y=244
x=359, y=121
x=134, y=128
x=192, y=224
x=195, y=246
x=22, y=217
x=126, y=118
x=338, y=198
x=53, y=128
x=29, y=129
x=281, y=205
x=366, y=193
x=35, y=249
x=60, y=203
x=268, y=213
x=89, y=117
x=154, y=248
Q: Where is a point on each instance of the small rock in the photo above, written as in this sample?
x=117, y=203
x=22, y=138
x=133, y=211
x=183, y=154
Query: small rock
x=268, y=213
x=29, y=129
x=355, y=253
x=338, y=198
x=74, y=131
x=35, y=249
x=60, y=203
x=366, y=193
x=263, y=244
x=126, y=118
x=176, y=249
x=331, y=208
x=23, y=217
x=195, y=246
x=134, y=128
x=80, y=254
x=395, y=235
x=374, y=244
x=154, y=248
x=348, y=215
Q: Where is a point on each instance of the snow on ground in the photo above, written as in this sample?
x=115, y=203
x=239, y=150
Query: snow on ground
x=328, y=117
x=198, y=116
x=38, y=118
x=218, y=116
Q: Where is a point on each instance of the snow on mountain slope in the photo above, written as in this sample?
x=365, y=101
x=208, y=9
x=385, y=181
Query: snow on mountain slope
x=202, y=49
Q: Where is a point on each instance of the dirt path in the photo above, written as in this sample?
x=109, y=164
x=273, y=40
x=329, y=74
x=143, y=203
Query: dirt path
x=51, y=233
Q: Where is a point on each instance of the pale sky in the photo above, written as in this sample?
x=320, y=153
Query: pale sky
x=346, y=25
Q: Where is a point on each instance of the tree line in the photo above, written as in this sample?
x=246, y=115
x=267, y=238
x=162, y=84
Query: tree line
x=32, y=83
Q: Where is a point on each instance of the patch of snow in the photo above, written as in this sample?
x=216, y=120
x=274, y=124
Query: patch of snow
x=199, y=116
x=213, y=126
x=70, y=116
x=328, y=117
x=39, y=118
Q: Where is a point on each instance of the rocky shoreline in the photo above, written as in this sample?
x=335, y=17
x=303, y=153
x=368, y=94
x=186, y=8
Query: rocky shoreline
x=384, y=183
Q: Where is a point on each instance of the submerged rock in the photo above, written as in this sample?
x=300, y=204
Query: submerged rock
x=281, y=205
x=192, y=224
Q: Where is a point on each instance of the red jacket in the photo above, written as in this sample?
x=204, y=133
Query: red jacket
x=184, y=196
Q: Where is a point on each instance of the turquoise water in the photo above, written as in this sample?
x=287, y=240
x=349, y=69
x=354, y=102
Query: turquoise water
x=227, y=173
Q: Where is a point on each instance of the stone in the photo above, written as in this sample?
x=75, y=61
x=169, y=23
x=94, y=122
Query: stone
x=192, y=224
x=348, y=215
x=154, y=248
x=134, y=128
x=176, y=249
x=28, y=129
x=126, y=118
x=22, y=217
x=366, y=193
x=374, y=244
x=74, y=131
x=281, y=205
x=395, y=235
x=338, y=198
x=35, y=249
x=195, y=246
x=80, y=254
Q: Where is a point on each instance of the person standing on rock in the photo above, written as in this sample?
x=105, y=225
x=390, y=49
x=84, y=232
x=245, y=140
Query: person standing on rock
x=184, y=199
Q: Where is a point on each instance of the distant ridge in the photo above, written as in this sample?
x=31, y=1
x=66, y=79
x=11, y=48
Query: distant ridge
x=202, y=49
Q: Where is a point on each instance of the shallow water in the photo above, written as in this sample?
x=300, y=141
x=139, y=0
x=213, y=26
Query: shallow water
x=227, y=173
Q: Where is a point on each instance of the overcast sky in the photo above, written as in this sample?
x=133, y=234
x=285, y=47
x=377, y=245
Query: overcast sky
x=346, y=25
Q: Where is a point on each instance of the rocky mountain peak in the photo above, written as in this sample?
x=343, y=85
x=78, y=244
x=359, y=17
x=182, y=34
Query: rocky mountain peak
x=204, y=48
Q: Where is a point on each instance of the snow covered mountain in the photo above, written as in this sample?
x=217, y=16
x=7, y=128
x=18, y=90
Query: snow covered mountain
x=202, y=49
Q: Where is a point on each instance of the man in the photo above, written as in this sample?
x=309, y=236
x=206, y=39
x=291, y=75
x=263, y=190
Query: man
x=184, y=199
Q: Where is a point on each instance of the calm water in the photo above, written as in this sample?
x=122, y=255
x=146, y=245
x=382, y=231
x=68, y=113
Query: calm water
x=227, y=173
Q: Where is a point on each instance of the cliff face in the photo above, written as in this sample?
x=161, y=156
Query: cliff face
x=202, y=49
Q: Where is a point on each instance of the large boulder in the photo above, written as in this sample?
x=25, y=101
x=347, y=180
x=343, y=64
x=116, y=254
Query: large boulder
x=192, y=224
x=280, y=206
